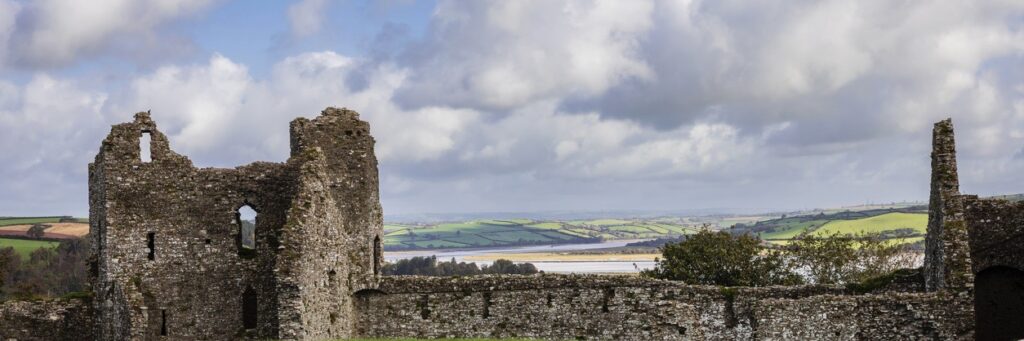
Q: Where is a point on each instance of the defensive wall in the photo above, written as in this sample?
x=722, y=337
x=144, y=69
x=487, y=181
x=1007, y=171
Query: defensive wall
x=172, y=261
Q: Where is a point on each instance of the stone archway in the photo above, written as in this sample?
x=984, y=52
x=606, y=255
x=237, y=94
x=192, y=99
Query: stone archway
x=999, y=304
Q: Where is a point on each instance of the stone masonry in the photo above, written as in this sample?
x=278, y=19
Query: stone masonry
x=171, y=263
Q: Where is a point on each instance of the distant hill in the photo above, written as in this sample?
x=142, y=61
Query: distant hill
x=520, y=232
x=907, y=225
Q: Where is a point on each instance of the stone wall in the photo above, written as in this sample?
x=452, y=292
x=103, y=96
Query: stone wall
x=632, y=308
x=52, y=320
x=167, y=238
x=997, y=238
x=947, y=259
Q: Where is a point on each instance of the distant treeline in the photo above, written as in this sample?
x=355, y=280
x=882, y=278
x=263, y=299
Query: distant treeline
x=48, y=272
x=429, y=266
x=657, y=242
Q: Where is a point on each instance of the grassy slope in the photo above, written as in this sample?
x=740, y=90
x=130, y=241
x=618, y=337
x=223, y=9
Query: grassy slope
x=889, y=221
x=29, y=220
x=25, y=247
x=489, y=233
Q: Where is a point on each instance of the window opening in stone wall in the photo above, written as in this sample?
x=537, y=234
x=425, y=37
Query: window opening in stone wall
x=249, y=307
x=424, y=304
x=145, y=153
x=151, y=245
x=377, y=253
x=487, y=305
x=609, y=293
x=246, y=217
x=163, y=322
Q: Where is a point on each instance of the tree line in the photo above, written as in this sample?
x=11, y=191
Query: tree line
x=47, y=272
x=429, y=266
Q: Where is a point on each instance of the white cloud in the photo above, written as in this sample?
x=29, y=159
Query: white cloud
x=306, y=17
x=572, y=104
x=198, y=103
x=47, y=143
x=509, y=54
x=55, y=32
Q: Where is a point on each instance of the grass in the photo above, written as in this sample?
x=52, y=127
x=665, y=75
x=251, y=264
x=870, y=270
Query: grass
x=791, y=230
x=28, y=220
x=879, y=223
x=25, y=247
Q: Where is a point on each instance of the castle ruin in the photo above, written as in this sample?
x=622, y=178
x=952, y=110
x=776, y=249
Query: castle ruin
x=174, y=262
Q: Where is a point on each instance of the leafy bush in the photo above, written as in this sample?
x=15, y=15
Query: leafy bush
x=846, y=258
x=721, y=258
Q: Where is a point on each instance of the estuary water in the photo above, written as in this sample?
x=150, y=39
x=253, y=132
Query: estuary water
x=552, y=267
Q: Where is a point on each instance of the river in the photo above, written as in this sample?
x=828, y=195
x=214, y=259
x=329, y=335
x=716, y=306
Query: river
x=552, y=267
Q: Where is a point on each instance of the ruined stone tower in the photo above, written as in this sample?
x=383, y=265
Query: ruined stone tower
x=947, y=260
x=171, y=261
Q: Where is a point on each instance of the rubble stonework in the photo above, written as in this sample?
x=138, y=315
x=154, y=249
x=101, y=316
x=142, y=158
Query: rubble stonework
x=605, y=307
x=169, y=261
x=169, y=264
x=947, y=263
x=52, y=320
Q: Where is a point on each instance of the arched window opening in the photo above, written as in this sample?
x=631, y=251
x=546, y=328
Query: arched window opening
x=249, y=307
x=145, y=153
x=246, y=218
x=377, y=255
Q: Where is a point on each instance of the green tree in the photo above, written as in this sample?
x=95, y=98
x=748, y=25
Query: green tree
x=37, y=230
x=848, y=258
x=721, y=258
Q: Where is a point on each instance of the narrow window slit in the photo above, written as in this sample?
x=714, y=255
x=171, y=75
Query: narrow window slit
x=151, y=245
x=487, y=305
x=163, y=322
x=377, y=254
x=609, y=293
x=424, y=309
x=145, y=151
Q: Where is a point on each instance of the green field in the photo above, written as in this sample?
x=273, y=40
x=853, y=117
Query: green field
x=25, y=247
x=29, y=220
x=509, y=232
x=880, y=223
x=899, y=225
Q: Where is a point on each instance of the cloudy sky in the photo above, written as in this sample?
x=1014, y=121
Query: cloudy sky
x=530, y=105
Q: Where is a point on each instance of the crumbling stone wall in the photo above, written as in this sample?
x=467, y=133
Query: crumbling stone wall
x=168, y=264
x=51, y=320
x=316, y=220
x=598, y=307
x=947, y=260
x=997, y=255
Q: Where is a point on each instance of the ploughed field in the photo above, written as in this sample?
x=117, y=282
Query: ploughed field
x=13, y=232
